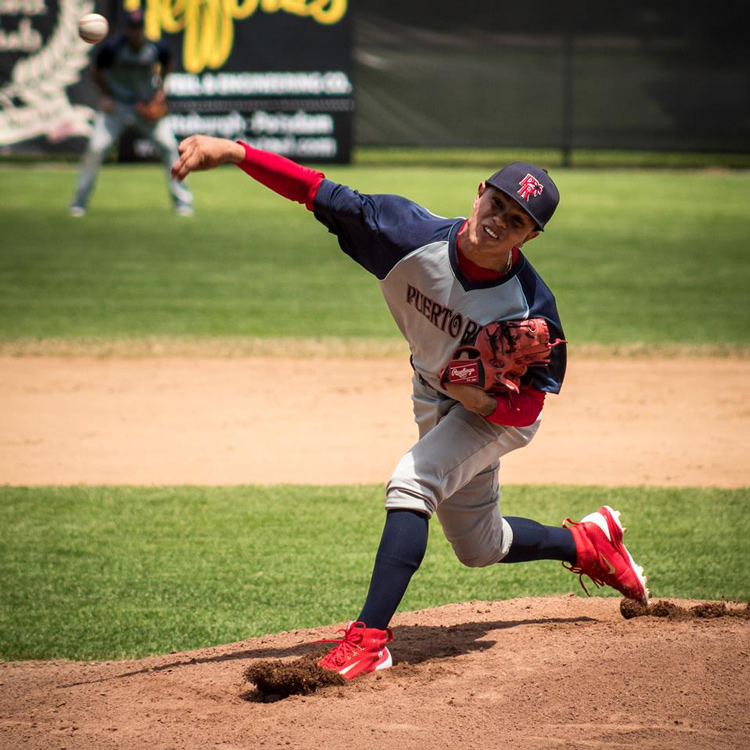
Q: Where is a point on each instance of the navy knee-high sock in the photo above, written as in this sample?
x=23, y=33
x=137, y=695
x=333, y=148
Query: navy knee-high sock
x=400, y=553
x=533, y=541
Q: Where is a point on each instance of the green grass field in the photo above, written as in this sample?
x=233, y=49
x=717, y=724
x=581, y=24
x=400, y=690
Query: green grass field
x=634, y=257
x=91, y=573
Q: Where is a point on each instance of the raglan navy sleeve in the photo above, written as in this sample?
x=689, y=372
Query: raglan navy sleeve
x=376, y=230
x=549, y=379
x=542, y=305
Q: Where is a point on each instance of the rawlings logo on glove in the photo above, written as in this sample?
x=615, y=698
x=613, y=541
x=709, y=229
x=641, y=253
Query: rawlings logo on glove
x=464, y=373
x=502, y=354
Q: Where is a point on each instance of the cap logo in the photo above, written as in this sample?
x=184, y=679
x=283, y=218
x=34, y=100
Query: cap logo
x=530, y=187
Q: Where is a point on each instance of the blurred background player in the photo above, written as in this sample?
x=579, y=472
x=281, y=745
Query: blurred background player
x=129, y=70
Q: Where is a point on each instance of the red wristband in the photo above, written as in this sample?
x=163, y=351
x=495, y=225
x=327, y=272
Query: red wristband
x=282, y=175
x=518, y=409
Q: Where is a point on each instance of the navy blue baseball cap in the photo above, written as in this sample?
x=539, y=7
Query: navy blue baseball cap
x=529, y=186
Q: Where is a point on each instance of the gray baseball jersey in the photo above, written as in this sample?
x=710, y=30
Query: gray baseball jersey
x=413, y=253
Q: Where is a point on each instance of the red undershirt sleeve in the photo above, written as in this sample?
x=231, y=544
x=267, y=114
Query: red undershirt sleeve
x=518, y=409
x=282, y=175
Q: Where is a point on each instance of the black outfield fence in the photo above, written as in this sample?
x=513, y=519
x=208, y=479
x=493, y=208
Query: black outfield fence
x=567, y=74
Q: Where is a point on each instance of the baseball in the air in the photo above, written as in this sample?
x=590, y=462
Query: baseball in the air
x=92, y=28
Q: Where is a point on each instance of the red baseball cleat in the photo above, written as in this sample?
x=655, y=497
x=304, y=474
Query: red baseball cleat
x=361, y=650
x=603, y=557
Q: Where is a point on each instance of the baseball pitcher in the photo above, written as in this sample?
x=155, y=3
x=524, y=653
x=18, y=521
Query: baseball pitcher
x=487, y=348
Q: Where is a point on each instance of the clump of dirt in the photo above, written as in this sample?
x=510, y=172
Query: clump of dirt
x=275, y=679
x=629, y=608
x=668, y=610
x=671, y=611
x=710, y=610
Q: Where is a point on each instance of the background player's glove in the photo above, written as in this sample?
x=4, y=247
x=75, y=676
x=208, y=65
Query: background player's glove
x=502, y=354
x=154, y=109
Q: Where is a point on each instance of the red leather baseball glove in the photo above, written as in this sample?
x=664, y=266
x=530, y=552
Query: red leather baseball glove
x=154, y=109
x=502, y=354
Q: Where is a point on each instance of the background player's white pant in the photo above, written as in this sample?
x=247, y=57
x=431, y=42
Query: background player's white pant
x=452, y=471
x=108, y=127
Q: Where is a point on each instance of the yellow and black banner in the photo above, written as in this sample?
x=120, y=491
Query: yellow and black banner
x=275, y=73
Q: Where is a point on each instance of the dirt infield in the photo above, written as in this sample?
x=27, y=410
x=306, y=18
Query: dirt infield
x=561, y=672
x=558, y=673
x=675, y=421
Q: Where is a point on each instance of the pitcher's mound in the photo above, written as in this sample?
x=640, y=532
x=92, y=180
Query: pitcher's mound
x=544, y=673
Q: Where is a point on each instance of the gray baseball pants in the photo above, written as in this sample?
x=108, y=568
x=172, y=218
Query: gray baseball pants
x=453, y=471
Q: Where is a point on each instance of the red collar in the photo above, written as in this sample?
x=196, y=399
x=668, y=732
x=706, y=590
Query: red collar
x=477, y=274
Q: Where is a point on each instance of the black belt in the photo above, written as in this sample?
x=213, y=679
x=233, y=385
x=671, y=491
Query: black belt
x=420, y=378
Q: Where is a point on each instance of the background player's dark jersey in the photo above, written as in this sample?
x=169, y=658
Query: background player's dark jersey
x=129, y=72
